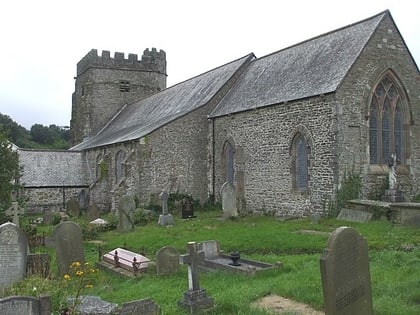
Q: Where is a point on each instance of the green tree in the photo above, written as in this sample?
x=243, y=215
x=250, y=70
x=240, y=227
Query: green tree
x=9, y=172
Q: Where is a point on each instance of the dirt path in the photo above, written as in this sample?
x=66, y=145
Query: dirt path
x=280, y=305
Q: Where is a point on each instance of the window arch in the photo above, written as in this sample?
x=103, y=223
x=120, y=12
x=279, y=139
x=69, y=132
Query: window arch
x=300, y=162
x=229, y=162
x=119, y=165
x=386, y=123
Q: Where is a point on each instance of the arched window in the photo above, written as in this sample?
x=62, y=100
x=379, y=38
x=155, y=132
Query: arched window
x=229, y=162
x=386, y=123
x=99, y=160
x=119, y=165
x=300, y=163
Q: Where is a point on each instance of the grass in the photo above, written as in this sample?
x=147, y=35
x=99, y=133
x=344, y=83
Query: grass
x=394, y=263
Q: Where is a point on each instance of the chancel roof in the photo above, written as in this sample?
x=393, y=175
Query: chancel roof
x=46, y=168
x=140, y=118
x=313, y=67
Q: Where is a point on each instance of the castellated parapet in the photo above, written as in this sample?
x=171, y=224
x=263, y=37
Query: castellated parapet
x=151, y=60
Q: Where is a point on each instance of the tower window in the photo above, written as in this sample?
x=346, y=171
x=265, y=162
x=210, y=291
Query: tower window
x=124, y=86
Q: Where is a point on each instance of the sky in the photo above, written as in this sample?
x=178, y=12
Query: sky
x=43, y=40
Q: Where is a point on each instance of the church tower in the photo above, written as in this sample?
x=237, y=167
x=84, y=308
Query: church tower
x=104, y=85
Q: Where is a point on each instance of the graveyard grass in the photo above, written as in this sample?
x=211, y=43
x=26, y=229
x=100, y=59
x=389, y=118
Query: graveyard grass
x=298, y=244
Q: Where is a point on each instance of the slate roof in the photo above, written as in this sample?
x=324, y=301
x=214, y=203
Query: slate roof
x=140, y=118
x=44, y=168
x=313, y=67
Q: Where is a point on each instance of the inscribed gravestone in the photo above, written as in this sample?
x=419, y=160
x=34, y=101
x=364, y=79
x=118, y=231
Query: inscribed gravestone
x=167, y=261
x=72, y=208
x=13, y=254
x=229, y=200
x=345, y=274
x=93, y=212
x=68, y=245
x=126, y=208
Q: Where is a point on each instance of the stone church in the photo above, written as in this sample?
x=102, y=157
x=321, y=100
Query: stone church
x=284, y=129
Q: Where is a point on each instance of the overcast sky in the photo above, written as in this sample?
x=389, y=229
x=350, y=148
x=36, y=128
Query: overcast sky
x=42, y=40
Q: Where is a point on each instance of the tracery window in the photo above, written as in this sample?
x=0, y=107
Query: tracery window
x=229, y=158
x=300, y=163
x=386, y=123
x=119, y=165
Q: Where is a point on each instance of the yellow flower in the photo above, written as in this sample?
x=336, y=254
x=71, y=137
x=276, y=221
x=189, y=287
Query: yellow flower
x=67, y=277
x=79, y=273
x=75, y=264
x=88, y=286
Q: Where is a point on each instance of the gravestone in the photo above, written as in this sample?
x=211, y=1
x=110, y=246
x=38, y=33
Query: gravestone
x=93, y=212
x=15, y=211
x=144, y=307
x=73, y=208
x=13, y=254
x=354, y=215
x=48, y=217
x=195, y=299
x=210, y=248
x=91, y=304
x=165, y=218
x=229, y=200
x=25, y=305
x=345, y=274
x=126, y=208
x=167, y=261
x=187, y=210
x=68, y=245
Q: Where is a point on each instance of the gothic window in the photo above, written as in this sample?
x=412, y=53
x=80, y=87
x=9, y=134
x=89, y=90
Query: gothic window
x=124, y=86
x=386, y=123
x=119, y=165
x=98, y=165
x=229, y=159
x=300, y=163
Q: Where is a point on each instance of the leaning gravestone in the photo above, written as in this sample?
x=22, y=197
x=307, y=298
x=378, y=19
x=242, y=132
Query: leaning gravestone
x=126, y=208
x=345, y=274
x=73, y=208
x=229, y=200
x=13, y=254
x=68, y=245
x=167, y=261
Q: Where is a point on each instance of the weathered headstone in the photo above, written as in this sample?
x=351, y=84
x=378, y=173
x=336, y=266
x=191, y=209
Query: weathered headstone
x=187, y=210
x=195, y=299
x=229, y=200
x=167, y=261
x=126, y=208
x=91, y=304
x=13, y=254
x=73, y=208
x=345, y=274
x=26, y=305
x=144, y=307
x=15, y=211
x=354, y=215
x=93, y=212
x=165, y=218
x=48, y=217
x=210, y=248
x=68, y=245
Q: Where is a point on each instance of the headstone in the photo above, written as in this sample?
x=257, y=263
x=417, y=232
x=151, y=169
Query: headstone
x=187, y=211
x=15, y=211
x=48, y=217
x=139, y=307
x=126, y=208
x=210, y=248
x=315, y=218
x=13, y=254
x=229, y=200
x=68, y=245
x=93, y=212
x=25, y=305
x=167, y=261
x=90, y=304
x=165, y=218
x=83, y=198
x=345, y=274
x=354, y=215
x=195, y=299
x=72, y=208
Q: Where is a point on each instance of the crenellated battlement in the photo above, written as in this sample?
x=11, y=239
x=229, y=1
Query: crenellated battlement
x=151, y=60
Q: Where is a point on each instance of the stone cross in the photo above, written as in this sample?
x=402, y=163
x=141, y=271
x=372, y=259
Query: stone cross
x=192, y=259
x=14, y=211
x=164, y=197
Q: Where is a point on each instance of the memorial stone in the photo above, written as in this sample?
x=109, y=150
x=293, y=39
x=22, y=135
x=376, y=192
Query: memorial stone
x=13, y=254
x=73, y=208
x=93, y=212
x=144, y=307
x=165, y=218
x=167, y=261
x=25, y=305
x=345, y=274
x=229, y=200
x=68, y=245
x=14, y=212
x=126, y=208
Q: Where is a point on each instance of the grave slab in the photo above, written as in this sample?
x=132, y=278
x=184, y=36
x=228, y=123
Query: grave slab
x=125, y=262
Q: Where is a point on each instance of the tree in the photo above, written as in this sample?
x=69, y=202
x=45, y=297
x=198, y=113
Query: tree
x=9, y=172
